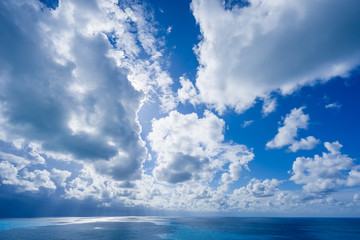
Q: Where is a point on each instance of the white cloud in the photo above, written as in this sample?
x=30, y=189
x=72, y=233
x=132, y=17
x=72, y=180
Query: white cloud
x=354, y=177
x=14, y=171
x=269, y=106
x=323, y=174
x=247, y=123
x=89, y=184
x=8, y=171
x=304, y=144
x=60, y=176
x=356, y=198
x=187, y=92
x=334, y=105
x=256, y=188
x=20, y=162
x=77, y=93
x=288, y=132
x=24, y=180
x=39, y=178
x=192, y=149
x=248, y=53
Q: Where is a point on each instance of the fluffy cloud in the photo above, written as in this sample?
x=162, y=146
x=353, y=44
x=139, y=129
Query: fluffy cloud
x=187, y=92
x=266, y=188
x=72, y=81
x=60, y=176
x=192, y=149
x=269, y=105
x=304, y=143
x=90, y=184
x=247, y=53
x=14, y=170
x=354, y=177
x=288, y=132
x=326, y=173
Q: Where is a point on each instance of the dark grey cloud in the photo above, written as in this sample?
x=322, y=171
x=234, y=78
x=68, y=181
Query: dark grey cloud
x=182, y=168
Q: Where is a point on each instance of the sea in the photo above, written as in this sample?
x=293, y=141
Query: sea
x=180, y=228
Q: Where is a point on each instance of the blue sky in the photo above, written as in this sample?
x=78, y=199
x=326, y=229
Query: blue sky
x=241, y=108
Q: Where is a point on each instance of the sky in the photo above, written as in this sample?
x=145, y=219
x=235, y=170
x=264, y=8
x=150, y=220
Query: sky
x=191, y=107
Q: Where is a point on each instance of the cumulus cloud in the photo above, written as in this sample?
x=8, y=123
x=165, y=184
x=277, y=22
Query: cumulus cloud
x=190, y=148
x=15, y=171
x=266, y=188
x=246, y=53
x=326, y=173
x=24, y=180
x=60, y=176
x=72, y=81
x=354, y=177
x=286, y=135
x=304, y=144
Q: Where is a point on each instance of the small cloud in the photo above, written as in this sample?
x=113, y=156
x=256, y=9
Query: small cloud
x=288, y=133
x=187, y=92
x=334, y=105
x=269, y=106
x=356, y=198
x=247, y=123
x=168, y=31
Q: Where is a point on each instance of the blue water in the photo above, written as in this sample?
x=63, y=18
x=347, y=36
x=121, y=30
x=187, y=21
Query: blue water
x=180, y=228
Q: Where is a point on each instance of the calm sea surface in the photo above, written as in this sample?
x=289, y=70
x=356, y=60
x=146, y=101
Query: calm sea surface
x=180, y=228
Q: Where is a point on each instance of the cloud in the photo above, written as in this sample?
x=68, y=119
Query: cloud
x=324, y=174
x=187, y=92
x=256, y=188
x=304, y=144
x=24, y=180
x=8, y=171
x=60, y=176
x=269, y=106
x=247, y=123
x=14, y=170
x=334, y=105
x=72, y=81
x=356, y=198
x=39, y=178
x=354, y=177
x=288, y=132
x=190, y=148
x=20, y=162
x=246, y=53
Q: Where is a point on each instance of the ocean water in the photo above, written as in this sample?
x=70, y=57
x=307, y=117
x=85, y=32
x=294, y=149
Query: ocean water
x=180, y=228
